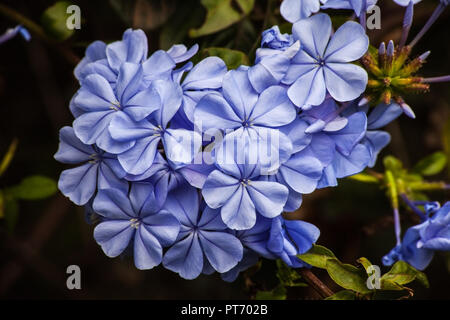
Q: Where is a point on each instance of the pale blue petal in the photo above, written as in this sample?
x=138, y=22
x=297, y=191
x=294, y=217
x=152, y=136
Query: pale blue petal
x=185, y=258
x=113, y=204
x=222, y=250
x=349, y=43
x=79, y=184
x=114, y=236
x=268, y=197
x=302, y=173
x=207, y=74
x=147, y=250
x=345, y=81
x=71, y=150
x=238, y=212
x=314, y=34
x=239, y=92
x=273, y=108
x=219, y=188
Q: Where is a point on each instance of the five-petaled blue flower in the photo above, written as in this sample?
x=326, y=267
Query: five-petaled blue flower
x=323, y=63
x=134, y=219
x=203, y=242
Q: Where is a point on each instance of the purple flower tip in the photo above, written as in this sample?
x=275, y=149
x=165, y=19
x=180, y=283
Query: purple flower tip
x=390, y=48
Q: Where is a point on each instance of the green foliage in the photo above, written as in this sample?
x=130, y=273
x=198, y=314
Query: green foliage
x=287, y=277
x=401, y=274
x=31, y=188
x=343, y=295
x=345, y=275
x=364, y=177
x=54, y=21
x=279, y=293
x=432, y=164
x=232, y=58
x=221, y=14
x=354, y=279
x=34, y=188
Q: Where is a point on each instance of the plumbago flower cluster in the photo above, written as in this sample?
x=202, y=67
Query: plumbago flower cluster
x=197, y=167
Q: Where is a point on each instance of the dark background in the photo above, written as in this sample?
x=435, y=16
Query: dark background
x=36, y=84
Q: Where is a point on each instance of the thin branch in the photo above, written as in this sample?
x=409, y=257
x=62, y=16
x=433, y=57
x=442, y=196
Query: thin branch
x=315, y=283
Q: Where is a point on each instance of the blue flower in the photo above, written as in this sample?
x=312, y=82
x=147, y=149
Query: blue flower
x=295, y=10
x=356, y=5
x=289, y=238
x=336, y=141
x=11, y=33
x=144, y=135
x=98, y=169
x=203, y=241
x=106, y=60
x=101, y=104
x=273, y=39
x=166, y=176
x=322, y=64
x=204, y=78
x=240, y=190
x=420, y=241
x=134, y=219
x=244, y=114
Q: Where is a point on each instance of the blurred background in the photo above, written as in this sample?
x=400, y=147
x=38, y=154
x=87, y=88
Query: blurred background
x=39, y=238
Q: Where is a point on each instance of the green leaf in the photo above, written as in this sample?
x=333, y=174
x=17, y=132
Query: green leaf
x=33, y=188
x=393, y=164
x=221, y=14
x=347, y=276
x=432, y=164
x=54, y=21
x=317, y=256
x=343, y=295
x=232, y=58
x=364, y=177
x=8, y=156
x=401, y=274
x=279, y=293
x=288, y=277
x=366, y=264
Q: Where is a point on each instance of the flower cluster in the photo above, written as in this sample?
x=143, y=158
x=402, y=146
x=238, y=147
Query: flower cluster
x=197, y=167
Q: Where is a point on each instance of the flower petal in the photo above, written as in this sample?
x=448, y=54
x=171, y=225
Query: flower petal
x=147, y=250
x=238, y=212
x=71, y=150
x=345, y=81
x=114, y=236
x=273, y=108
x=79, y=184
x=185, y=258
x=314, y=34
x=349, y=43
x=207, y=74
x=222, y=250
x=268, y=197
